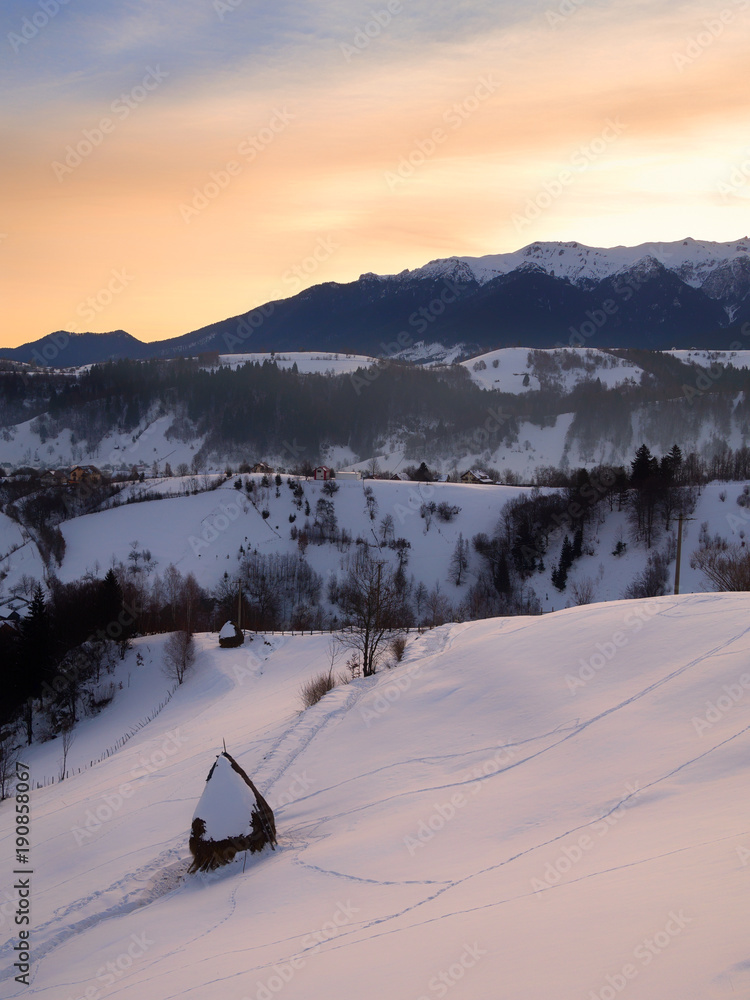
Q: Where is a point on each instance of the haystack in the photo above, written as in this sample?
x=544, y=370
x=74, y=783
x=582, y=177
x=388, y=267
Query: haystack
x=231, y=816
x=230, y=635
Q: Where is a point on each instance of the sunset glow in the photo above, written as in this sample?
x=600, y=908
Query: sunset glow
x=167, y=165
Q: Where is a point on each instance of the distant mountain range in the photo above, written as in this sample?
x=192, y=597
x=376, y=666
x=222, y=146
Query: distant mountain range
x=690, y=293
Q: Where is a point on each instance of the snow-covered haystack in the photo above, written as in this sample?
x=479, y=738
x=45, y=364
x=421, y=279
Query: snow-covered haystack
x=231, y=816
x=230, y=635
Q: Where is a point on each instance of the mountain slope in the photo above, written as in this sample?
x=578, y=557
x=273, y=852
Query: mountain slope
x=442, y=827
x=666, y=294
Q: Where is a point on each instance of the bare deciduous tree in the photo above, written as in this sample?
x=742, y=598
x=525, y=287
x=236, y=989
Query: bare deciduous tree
x=726, y=567
x=373, y=612
x=179, y=655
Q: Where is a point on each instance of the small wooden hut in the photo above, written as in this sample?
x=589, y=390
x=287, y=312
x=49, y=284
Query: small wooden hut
x=232, y=816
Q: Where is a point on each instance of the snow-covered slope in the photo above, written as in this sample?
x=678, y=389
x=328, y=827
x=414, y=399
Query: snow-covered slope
x=533, y=808
x=506, y=369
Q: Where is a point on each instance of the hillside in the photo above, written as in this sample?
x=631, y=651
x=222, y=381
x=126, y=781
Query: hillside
x=210, y=534
x=470, y=823
x=513, y=409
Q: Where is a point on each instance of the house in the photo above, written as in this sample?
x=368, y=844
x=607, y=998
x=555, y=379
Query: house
x=349, y=475
x=323, y=472
x=88, y=474
x=12, y=611
x=262, y=468
x=54, y=477
x=400, y=477
x=477, y=476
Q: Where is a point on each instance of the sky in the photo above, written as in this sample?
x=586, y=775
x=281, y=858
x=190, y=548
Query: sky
x=166, y=165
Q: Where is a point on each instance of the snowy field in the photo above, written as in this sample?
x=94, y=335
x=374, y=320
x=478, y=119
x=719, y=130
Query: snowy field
x=531, y=808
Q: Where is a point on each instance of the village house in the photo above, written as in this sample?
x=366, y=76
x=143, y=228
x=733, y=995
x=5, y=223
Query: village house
x=88, y=474
x=477, y=476
x=323, y=472
x=261, y=467
x=54, y=477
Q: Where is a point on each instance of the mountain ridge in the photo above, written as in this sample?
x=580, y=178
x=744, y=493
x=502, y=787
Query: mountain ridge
x=688, y=294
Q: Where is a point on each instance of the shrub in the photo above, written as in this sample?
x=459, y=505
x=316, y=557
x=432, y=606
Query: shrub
x=314, y=689
x=398, y=647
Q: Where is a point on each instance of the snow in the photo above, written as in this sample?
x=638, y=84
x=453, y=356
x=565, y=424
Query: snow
x=227, y=803
x=308, y=362
x=513, y=363
x=228, y=631
x=692, y=260
x=530, y=807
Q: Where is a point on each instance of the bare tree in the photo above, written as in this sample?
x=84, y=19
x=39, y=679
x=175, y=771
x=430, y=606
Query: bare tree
x=725, y=566
x=9, y=750
x=67, y=740
x=373, y=610
x=459, y=560
x=179, y=655
x=582, y=591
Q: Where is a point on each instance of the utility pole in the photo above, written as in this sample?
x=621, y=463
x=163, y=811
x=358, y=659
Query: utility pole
x=239, y=605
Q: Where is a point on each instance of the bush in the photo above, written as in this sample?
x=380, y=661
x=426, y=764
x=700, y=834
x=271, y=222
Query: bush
x=446, y=512
x=314, y=689
x=398, y=647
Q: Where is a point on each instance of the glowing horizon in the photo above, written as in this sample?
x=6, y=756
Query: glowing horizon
x=184, y=164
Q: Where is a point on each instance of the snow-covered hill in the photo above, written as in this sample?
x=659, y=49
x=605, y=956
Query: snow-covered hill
x=208, y=534
x=533, y=808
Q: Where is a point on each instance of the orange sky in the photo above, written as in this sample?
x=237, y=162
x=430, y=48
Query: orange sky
x=230, y=156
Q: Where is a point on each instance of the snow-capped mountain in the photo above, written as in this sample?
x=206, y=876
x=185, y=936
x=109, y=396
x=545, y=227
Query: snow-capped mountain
x=686, y=294
x=693, y=261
